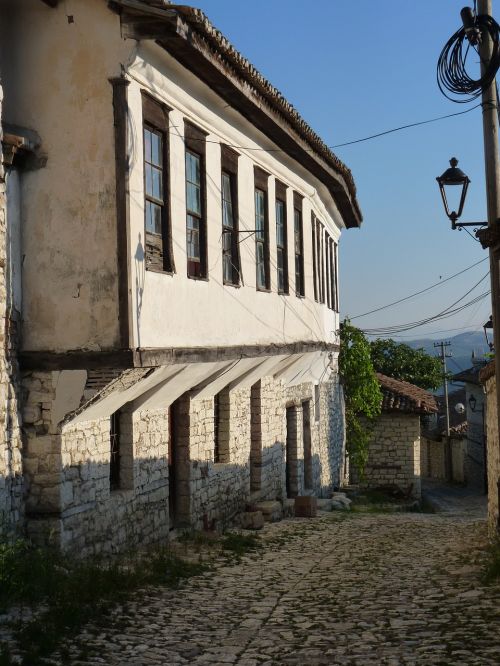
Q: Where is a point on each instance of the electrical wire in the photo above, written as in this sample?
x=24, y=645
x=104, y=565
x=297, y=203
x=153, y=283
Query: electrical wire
x=411, y=325
x=452, y=77
x=417, y=293
x=447, y=312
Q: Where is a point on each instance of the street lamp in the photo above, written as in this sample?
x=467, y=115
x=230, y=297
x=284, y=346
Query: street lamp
x=454, y=177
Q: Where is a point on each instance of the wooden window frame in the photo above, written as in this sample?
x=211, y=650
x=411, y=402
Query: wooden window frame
x=336, y=305
x=280, y=192
x=121, y=459
x=155, y=118
x=315, y=263
x=229, y=167
x=299, y=256
x=261, y=179
x=329, y=294
x=195, y=144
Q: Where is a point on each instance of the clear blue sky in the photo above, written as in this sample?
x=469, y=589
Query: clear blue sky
x=356, y=68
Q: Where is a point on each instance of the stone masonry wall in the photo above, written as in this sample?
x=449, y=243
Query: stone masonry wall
x=11, y=477
x=72, y=502
x=327, y=435
x=69, y=498
x=96, y=518
x=432, y=459
x=394, y=454
x=493, y=456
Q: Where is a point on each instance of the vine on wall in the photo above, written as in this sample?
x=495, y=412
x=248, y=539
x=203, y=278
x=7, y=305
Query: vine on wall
x=363, y=398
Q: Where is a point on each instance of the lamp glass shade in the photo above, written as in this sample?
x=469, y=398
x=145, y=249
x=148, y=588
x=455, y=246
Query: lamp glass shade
x=453, y=177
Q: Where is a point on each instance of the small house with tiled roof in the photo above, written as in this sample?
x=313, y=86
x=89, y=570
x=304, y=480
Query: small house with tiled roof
x=394, y=450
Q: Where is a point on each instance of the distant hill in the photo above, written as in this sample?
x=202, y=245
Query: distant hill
x=462, y=346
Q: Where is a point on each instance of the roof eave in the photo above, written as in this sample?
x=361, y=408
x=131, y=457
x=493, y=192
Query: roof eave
x=174, y=34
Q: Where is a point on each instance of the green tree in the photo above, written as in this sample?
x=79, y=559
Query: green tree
x=400, y=361
x=363, y=398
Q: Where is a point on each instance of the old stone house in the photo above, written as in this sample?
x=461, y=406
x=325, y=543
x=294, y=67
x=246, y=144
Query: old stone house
x=394, y=448
x=173, y=229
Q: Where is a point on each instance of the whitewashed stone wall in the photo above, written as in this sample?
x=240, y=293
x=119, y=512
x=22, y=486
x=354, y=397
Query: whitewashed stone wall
x=327, y=435
x=493, y=456
x=394, y=454
x=11, y=477
x=68, y=464
x=97, y=519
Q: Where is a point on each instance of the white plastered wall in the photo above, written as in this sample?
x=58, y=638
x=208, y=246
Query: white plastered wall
x=178, y=311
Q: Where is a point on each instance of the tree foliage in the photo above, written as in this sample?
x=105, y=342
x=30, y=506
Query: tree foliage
x=400, y=361
x=363, y=398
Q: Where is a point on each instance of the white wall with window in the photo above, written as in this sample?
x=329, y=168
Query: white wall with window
x=231, y=215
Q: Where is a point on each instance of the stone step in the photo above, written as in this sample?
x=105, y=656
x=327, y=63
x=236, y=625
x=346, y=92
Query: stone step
x=272, y=511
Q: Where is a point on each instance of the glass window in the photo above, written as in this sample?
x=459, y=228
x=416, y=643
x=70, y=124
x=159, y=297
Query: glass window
x=230, y=263
x=299, y=261
x=281, y=250
x=261, y=240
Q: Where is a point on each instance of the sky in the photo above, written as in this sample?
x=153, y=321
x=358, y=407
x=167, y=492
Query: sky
x=353, y=69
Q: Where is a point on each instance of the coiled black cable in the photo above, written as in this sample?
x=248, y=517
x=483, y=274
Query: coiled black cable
x=452, y=76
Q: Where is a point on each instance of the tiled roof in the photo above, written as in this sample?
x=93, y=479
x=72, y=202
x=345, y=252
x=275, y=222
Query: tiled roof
x=405, y=397
x=243, y=68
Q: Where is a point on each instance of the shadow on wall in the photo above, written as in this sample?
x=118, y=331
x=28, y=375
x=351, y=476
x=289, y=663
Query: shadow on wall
x=80, y=511
x=11, y=505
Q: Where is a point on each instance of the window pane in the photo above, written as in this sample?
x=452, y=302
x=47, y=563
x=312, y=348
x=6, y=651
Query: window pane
x=193, y=168
x=193, y=195
x=147, y=145
x=260, y=219
x=149, y=179
x=149, y=220
x=261, y=270
x=157, y=184
x=156, y=210
x=226, y=187
x=227, y=214
x=156, y=149
x=193, y=238
x=281, y=272
x=227, y=241
x=227, y=268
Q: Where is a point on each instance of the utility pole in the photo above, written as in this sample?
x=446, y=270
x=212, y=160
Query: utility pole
x=444, y=355
x=492, y=169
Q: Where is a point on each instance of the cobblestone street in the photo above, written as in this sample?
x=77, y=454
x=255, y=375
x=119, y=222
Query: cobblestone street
x=358, y=588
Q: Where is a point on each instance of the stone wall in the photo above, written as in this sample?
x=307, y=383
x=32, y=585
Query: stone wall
x=11, y=478
x=222, y=451
x=493, y=455
x=432, y=459
x=394, y=454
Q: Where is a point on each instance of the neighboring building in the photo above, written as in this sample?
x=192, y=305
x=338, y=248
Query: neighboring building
x=488, y=379
x=11, y=477
x=177, y=228
x=475, y=441
x=394, y=450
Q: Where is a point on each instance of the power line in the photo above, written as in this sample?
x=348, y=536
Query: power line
x=398, y=129
x=447, y=312
x=337, y=145
x=417, y=293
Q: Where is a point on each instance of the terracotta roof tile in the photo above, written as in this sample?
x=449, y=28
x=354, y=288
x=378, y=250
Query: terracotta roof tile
x=405, y=397
x=199, y=22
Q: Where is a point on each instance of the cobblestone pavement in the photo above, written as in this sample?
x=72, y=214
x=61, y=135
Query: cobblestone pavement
x=338, y=589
